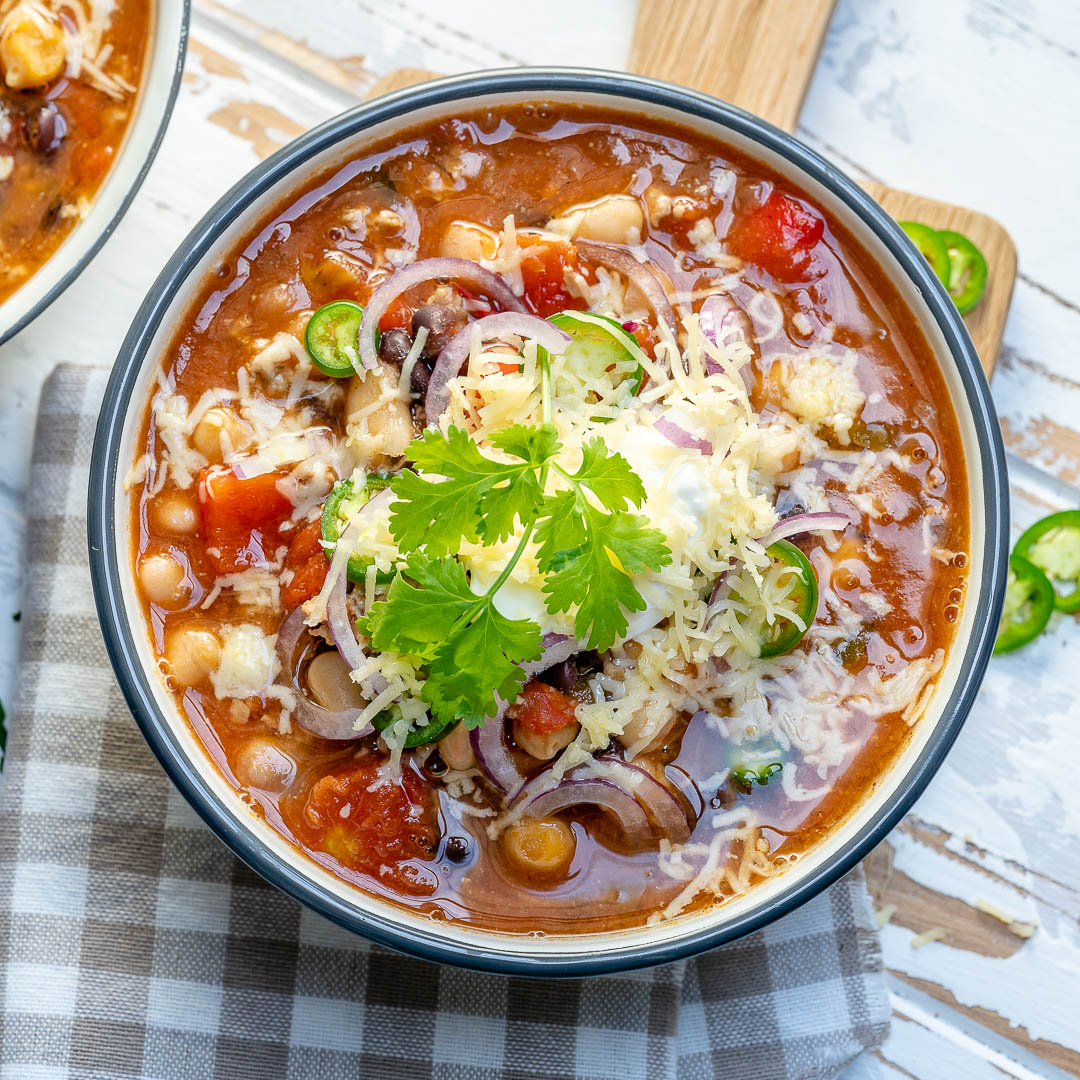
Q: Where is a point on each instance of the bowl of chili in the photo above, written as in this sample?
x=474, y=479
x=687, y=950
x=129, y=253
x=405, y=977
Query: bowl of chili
x=247, y=210
x=77, y=134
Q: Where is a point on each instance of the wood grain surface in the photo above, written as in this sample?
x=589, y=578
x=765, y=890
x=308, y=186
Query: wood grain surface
x=758, y=54
x=986, y=323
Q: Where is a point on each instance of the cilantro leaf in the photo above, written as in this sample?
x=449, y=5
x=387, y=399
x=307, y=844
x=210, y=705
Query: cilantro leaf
x=609, y=477
x=532, y=444
x=468, y=662
x=595, y=571
x=416, y=619
x=478, y=499
x=478, y=661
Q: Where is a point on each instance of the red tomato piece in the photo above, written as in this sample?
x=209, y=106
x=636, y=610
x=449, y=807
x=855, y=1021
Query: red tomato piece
x=777, y=236
x=398, y=316
x=542, y=709
x=543, y=271
x=375, y=828
x=238, y=513
x=307, y=560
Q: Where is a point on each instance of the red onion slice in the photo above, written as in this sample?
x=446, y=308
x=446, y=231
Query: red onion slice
x=465, y=270
x=489, y=740
x=490, y=326
x=326, y=723
x=662, y=805
x=336, y=585
x=493, y=754
x=821, y=521
x=720, y=320
x=681, y=438
x=603, y=794
x=623, y=262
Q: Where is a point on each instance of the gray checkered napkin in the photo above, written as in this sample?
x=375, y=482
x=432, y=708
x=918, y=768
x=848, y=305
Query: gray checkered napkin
x=132, y=942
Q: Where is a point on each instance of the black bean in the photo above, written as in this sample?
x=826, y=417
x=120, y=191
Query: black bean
x=562, y=676
x=421, y=376
x=457, y=848
x=394, y=346
x=45, y=129
x=441, y=322
x=434, y=765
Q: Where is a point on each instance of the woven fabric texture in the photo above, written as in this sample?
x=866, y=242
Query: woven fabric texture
x=133, y=943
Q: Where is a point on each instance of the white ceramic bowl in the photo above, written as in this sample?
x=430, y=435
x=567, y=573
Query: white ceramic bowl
x=127, y=635
x=153, y=106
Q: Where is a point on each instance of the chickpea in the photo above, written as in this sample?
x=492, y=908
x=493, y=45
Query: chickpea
x=219, y=422
x=192, y=652
x=329, y=683
x=162, y=579
x=261, y=763
x=456, y=749
x=32, y=48
x=175, y=512
x=540, y=847
x=543, y=747
x=463, y=240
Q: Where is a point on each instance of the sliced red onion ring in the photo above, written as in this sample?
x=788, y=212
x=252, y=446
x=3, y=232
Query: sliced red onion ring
x=603, y=794
x=821, y=521
x=662, y=805
x=623, y=262
x=490, y=326
x=721, y=319
x=464, y=270
x=489, y=740
x=326, y=723
x=677, y=436
x=334, y=591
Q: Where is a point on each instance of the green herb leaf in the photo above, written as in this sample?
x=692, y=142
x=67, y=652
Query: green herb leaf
x=471, y=648
x=746, y=777
x=589, y=558
x=415, y=619
x=609, y=477
x=477, y=661
x=478, y=499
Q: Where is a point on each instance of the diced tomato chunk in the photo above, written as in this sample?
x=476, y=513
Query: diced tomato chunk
x=777, y=236
x=543, y=270
x=398, y=316
x=240, y=517
x=542, y=709
x=374, y=824
x=306, y=558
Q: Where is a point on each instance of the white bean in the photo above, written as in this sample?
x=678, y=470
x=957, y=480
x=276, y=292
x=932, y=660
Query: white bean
x=615, y=219
x=387, y=430
x=262, y=763
x=456, y=749
x=330, y=685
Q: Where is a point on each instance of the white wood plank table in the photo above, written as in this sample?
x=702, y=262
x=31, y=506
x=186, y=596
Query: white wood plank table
x=970, y=101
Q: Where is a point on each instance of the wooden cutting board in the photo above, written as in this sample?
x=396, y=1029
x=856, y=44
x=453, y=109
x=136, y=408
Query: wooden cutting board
x=761, y=55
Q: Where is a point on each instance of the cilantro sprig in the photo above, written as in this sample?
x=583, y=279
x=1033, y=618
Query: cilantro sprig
x=589, y=546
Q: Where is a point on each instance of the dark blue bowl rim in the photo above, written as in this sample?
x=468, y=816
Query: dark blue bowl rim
x=87, y=256
x=106, y=469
